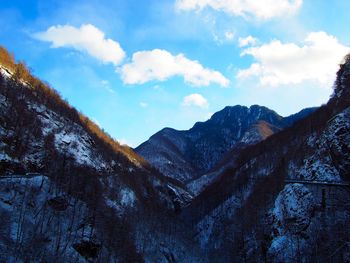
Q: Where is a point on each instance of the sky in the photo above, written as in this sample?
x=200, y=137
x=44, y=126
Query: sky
x=135, y=67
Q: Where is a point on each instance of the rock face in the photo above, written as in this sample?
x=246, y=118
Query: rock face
x=184, y=155
x=293, y=209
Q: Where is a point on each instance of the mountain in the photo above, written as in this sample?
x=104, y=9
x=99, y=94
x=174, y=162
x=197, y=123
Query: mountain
x=286, y=198
x=185, y=155
x=68, y=191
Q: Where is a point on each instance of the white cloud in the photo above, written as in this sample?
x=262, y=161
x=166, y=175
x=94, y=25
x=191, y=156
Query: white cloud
x=160, y=65
x=246, y=41
x=280, y=63
x=195, y=100
x=87, y=38
x=261, y=9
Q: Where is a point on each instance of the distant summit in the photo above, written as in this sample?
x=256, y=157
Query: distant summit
x=184, y=155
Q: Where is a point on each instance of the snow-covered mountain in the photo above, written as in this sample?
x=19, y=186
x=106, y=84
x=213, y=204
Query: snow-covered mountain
x=185, y=155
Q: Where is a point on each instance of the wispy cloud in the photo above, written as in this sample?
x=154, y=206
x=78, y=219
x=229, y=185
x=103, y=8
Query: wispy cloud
x=105, y=84
x=224, y=37
x=87, y=38
x=195, y=100
x=143, y=104
x=246, y=41
x=161, y=65
x=280, y=63
x=261, y=9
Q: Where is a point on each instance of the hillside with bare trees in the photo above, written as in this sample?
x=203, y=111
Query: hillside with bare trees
x=275, y=190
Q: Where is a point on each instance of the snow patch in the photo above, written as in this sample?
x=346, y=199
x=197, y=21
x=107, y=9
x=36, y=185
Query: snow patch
x=5, y=72
x=4, y=157
x=128, y=197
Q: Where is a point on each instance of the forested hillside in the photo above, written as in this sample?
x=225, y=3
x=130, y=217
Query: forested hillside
x=287, y=198
x=69, y=189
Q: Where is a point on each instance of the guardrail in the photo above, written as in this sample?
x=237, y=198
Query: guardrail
x=18, y=176
x=291, y=181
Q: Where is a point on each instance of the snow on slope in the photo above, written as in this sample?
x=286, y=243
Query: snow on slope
x=5, y=72
x=114, y=180
x=196, y=186
x=334, y=143
x=291, y=215
x=31, y=224
x=70, y=138
x=295, y=216
x=165, y=150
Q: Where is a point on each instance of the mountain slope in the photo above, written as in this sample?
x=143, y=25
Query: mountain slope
x=255, y=212
x=59, y=172
x=184, y=155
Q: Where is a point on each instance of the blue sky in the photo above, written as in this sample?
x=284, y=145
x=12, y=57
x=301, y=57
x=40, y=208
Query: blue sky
x=136, y=66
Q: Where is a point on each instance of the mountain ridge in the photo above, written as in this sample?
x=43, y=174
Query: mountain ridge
x=185, y=154
x=80, y=190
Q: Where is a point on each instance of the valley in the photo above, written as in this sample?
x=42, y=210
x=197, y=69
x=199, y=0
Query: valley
x=247, y=185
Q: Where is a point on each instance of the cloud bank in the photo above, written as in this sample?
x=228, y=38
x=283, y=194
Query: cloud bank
x=278, y=63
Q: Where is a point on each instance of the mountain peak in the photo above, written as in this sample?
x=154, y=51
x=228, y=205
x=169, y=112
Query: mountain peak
x=230, y=115
x=184, y=155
